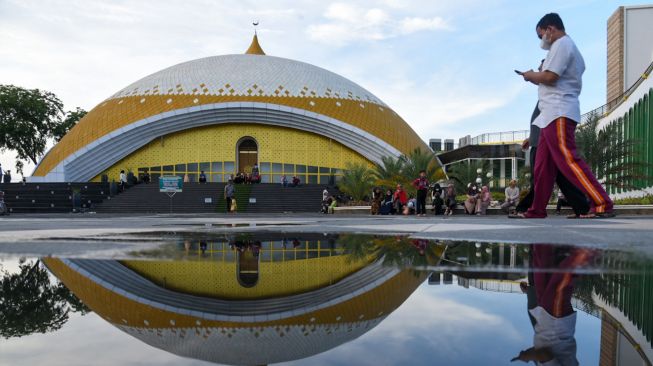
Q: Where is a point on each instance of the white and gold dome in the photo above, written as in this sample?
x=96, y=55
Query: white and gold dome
x=199, y=111
x=242, y=331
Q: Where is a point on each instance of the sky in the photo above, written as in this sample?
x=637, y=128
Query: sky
x=445, y=66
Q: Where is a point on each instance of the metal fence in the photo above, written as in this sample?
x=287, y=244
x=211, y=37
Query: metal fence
x=498, y=137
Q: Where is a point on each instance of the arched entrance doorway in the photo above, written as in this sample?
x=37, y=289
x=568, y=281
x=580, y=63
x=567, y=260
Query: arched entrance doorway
x=247, y=151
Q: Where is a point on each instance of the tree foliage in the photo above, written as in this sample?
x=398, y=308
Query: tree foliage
x=29, y=119
x=71, y=119
x=31, y=303
x=389, y=172
x=418, y=160
x=613, y=159
x=357, y=180
x=403, y=170
x=399, y=251
x=464, y=173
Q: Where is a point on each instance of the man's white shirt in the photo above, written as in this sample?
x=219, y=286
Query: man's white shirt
x=561, y=99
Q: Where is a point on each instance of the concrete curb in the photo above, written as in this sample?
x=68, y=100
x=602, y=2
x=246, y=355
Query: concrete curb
x=619, y=209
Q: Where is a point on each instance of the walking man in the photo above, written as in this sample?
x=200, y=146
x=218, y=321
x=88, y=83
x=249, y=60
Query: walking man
x=422, y=186
x=559, y=85
x=577, y=199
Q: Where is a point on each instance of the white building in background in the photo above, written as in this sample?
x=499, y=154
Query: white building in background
x=630, y=47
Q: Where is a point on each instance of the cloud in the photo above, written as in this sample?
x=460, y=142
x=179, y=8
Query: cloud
x=347, y=23
x=412, y=25
x=432, y=321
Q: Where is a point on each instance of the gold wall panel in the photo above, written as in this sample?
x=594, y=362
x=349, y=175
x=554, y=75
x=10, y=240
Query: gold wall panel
x=112, y=114
x=218, y=279
x=218, y=143
x=115, y=308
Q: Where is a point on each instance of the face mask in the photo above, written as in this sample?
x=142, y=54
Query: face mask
x=545, y=44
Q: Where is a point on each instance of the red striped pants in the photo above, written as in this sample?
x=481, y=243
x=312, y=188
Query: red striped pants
x=556, y=151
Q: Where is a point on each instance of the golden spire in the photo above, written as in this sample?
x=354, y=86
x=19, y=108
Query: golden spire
x=255, y=48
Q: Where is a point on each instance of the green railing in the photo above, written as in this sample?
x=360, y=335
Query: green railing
x=637, y=125
x=632, y=293
x=605, y=109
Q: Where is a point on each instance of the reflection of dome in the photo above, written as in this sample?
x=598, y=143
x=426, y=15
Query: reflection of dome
x=265, y=97
x=237, y=331
x=227, y=268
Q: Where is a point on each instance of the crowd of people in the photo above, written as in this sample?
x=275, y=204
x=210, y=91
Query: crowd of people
x=443, y=199
x=400, y=202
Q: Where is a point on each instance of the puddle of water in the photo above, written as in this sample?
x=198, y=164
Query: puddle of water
x=230, y=225
x=262, y=298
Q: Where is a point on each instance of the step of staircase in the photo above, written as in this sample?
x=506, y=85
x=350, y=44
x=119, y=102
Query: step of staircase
x=52, y=197
x=208, y=198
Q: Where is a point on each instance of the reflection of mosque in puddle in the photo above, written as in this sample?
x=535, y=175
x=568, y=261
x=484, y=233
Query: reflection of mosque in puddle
x=251, y=299
x=245, y=300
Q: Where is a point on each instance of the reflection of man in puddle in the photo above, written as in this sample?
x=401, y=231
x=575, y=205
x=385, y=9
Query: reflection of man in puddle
x=550, y=310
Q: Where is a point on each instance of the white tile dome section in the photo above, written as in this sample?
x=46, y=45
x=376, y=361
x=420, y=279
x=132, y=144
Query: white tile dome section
x=251, y=346
x=248, y=75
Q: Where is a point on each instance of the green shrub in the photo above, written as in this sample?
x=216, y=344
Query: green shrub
x=645, y=200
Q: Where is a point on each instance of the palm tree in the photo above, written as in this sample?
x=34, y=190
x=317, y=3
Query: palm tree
x=465, y=173
x=357, y=181
x=615, y=160
x=389, y=172
x=418, y=160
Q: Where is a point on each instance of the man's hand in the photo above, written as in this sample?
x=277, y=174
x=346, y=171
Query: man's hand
x=545, y=77
x=527, y=74
x=526, y=144
x=534, y=354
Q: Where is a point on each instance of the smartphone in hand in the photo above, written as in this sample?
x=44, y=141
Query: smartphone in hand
x=519, y=72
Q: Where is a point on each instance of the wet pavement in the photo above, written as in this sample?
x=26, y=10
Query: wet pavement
x=324, y=290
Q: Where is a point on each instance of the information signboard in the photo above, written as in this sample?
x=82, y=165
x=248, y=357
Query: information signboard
x=170, y=184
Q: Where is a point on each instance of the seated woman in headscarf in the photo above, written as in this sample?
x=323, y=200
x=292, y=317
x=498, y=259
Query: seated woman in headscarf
x=387, y=204
x=472, y=197
x=483, y=202
x=377, y=196
x=436, y=199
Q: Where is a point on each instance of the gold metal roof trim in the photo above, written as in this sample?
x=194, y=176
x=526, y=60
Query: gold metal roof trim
x=255, y=47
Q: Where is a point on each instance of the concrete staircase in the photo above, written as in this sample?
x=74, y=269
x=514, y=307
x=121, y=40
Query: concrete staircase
x=257, y=198
x=52, y=197
x=146, y=198
x=276, y=198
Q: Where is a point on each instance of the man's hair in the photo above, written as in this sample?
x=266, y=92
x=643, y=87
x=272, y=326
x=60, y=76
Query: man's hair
x=422, y=171
x=551, y=19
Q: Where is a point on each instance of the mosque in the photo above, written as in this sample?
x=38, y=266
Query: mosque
x=222, y=115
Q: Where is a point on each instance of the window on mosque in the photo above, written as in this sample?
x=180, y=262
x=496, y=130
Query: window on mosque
x=216, y=166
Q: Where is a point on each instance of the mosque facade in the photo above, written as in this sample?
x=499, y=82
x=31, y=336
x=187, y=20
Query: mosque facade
x=222, y=115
